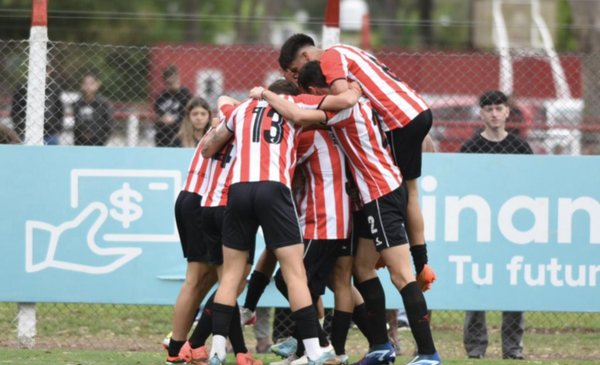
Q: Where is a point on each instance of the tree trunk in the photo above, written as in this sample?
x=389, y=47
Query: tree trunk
x=425, y=22
x=192, y=30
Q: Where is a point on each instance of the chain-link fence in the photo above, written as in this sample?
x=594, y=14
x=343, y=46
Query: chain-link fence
x=132, y=96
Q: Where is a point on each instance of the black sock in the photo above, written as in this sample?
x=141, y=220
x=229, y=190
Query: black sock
x=339, y=331
x=374, y=296
x=222, y=315
x=361, y=320
x=175, y=346
x=418, y=318
x=236, y=336
x=204, y=326
x=256, y=287
x=306, y=322
x=280, y=284
x=419, y=256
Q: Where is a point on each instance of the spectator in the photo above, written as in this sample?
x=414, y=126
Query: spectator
x=495, y=139
x=53, y=112
x=8, y=136
x=93, y=114
x=169, y=107
x=195, y=123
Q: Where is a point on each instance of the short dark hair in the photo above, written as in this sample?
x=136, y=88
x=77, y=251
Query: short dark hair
x=169, y=71
x=493, y=97
x=290, y=49
x=284, y=87
x=311, y=75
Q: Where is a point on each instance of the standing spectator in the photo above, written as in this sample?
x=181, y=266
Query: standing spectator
x=93, y=114
x=495, y=139
x=53, y=112
x=169, y=107
x=8, y=136
x=195, y=123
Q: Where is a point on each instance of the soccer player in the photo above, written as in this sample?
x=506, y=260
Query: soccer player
x=405, y=116
x=213, y=205
x=200, y=275
x=260, y=196
x=381, y=219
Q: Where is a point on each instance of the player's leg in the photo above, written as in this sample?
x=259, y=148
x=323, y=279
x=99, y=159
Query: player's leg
x=407, y=149
x=238, y=240
x=342, y=316
x=259, y=280
x=277, y=213
x=387, y=217
x=200, y=276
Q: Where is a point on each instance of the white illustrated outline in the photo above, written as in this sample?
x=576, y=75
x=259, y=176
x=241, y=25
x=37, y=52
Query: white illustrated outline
x=127, y=237
x=127, y=253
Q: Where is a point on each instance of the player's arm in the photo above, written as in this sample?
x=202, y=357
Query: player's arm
x=227, y=100
x=339, y=86
x=343, y=100
x=289, y=110
x=215, y=139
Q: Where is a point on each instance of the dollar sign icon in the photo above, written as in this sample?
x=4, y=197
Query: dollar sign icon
x=127, y=210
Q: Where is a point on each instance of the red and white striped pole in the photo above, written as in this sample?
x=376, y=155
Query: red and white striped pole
x=331, y=27
x=36, y=76
x=34, y=133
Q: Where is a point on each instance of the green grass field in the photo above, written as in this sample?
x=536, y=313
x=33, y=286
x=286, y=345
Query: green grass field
x=81, y=334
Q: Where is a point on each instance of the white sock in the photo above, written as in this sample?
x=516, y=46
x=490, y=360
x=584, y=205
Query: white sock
x=312, y=348
x=219, y=347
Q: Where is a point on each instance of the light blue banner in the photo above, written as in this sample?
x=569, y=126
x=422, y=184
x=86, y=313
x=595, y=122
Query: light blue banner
x=82, y=224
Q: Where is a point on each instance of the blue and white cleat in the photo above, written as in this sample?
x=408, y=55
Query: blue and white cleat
x=285, y=348
x=325, y=358
x=379, y=355
x=433, y=359
x=214, y=360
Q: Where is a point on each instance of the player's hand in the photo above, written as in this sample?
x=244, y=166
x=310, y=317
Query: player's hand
x=425, y=278
x=256, y=92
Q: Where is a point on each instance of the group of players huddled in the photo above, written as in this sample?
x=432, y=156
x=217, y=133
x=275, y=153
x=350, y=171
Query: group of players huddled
x=326, y=163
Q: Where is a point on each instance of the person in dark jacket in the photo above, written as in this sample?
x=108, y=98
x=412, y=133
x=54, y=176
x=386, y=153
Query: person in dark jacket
x=170, y=108
x=93, y=114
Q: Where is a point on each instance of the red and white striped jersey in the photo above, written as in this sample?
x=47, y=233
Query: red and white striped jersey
x=324, y=204
x=219, y=169
x=266, y=142
x=195, y=181
x=371, y=163
x=397, y=103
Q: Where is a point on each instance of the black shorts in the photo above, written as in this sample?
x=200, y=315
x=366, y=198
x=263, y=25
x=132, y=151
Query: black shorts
x=188, y=216
x=406, y=144
x=383, y=219
x=348, y=246
x=264, y=204
x=319, y=259
x=212, y=228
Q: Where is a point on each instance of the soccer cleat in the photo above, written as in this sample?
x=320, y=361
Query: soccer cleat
x=215, y=360
x=425, y=278
x=379, y=355
x=246, y=359
x=166, y=341
x=197, y=356
x=287, y=361
x=247, y=317
x=174, y=360
x=338, y=360
x=285, y=348
x=433, y=359
x=323, y=359
x=304, y=359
